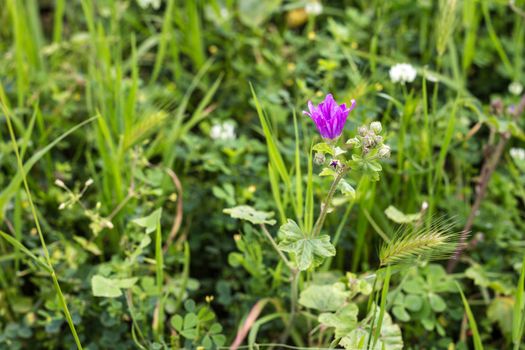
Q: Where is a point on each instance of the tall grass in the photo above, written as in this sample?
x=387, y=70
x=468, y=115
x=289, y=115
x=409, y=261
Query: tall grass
x=48, y=263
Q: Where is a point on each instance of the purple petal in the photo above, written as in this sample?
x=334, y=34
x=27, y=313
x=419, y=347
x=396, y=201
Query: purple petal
x=329, y=117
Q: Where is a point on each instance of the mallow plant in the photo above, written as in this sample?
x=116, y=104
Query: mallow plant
x=304, y=244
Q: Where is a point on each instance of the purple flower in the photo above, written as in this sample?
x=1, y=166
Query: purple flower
x=329, y=117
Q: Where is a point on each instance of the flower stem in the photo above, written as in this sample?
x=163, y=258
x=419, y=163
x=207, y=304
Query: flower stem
x=274, y=244
x=324, y=209
x=294, y=292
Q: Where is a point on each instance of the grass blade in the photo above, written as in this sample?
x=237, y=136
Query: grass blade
x=472, y=321
x=517, y=317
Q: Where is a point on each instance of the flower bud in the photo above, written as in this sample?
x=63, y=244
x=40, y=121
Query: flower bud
x=354, y=142
x=368, y=141
x=515, y=88
x=362, y=130
x=319, y=158
x=497, y=107
x=378, y=139
x=384, y=152
x=60, y=183
x=376, y=127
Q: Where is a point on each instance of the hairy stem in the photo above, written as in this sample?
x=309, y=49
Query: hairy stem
x=274, y=245
x=294, y=292
x=326, y=204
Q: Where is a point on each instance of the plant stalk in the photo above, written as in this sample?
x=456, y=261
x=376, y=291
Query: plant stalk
x=324, y=209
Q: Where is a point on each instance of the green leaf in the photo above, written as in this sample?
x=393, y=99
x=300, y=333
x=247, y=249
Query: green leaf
x=190, y=320
x=413, y=302
x=415, y=286
x=399, y=217
x=323, y=147
x=149, y=222
x=500, y=310
x=189, y=333
x=324, y=297
x=344, y=320
x=307, y=251
x=110, y=287
x=253, y=13
x=327, y=172
x=177, y=322
x=215, y=328
x=206, y=342
x=436, y=302
x=401, y=313
x=428, y=323
x=389, y=339
x=87, y=245
x=219, y=340
x=245, y=212
x=346, y=189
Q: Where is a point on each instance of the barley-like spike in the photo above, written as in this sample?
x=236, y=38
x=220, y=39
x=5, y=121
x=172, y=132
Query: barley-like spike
x=433, y=242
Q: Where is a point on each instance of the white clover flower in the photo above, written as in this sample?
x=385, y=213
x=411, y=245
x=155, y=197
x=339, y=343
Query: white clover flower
x=517, y=153
x=516, y=88
x=224, y=131
x=146, y=3
x=314, y=8
x=402, y=73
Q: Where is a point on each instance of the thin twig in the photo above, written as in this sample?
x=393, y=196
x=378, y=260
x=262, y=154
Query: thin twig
x=486, y=173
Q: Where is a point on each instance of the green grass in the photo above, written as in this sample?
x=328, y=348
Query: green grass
x=123, y=94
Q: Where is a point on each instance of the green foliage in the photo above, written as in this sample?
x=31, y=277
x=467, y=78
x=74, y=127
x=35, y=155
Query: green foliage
x=399, y=217
x=307, y=251
x=248, y=213
x=324, y=298
x=114, y=178
x=110, y=287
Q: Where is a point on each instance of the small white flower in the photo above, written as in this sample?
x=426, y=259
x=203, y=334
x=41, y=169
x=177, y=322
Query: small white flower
x=517, y=153
x=314, y=8
x=516, y=88
x=228, y=131
x=402, y=73
x=89, y=182
x=224, y=131
x=145, y=3
x=216, y=131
